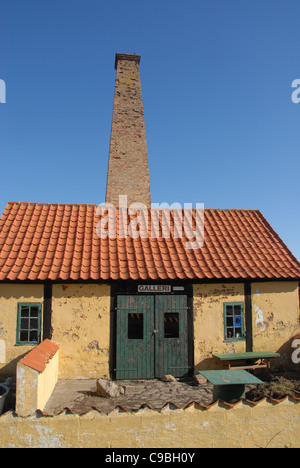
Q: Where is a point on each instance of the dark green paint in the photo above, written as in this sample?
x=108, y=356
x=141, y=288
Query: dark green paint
x=229, y=385
x=135, y=357
x=246, y=356
x=153, y=355
x=28, y=305
x=171, y=354
x=230, y=377
x=232, y=304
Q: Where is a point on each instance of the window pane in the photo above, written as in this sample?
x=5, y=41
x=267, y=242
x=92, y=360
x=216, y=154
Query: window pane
x=237, y=321
x=229, y=333
x=34, y=323
x=238, y=333
x=229, y=310
x=229, y=321
x=34, y=311
x=171, y=321
x=24, y=311
x=135, y=326
x=237, y=310
x=24, y=335
x=24, y=323
x=33, y=335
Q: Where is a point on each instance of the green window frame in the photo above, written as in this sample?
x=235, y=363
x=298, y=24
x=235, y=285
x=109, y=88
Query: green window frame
x=234, y=329
x=29, y=323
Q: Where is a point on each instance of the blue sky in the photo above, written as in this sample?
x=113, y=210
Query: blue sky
x=216, y=78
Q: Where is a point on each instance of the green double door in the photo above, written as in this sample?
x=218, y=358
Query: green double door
x=152, y=337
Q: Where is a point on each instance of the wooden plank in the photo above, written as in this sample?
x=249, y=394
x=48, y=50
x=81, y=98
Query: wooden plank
x=255, y=366
x=230, y=377
x=147, y=306
x=171, y=351
x=248, y=316
x=134, y=359
x=47, y=311
x=246, y=356
x=156, y=354
x=229, y=385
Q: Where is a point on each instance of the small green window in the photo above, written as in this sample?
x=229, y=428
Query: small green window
x=29, y=323
x=234, y=321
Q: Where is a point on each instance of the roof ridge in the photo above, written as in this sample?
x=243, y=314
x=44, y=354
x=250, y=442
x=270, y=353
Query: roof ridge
x=51, y=203
x=121, y=208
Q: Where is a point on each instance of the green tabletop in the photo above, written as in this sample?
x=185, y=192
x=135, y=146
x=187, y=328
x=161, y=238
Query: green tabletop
x=230, y=377
x=246, y=356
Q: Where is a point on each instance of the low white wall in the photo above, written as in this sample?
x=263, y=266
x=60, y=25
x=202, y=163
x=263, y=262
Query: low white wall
x=37, y=375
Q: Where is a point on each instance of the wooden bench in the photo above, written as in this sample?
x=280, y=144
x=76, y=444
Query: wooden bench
x=252, y=360
x=229, y=385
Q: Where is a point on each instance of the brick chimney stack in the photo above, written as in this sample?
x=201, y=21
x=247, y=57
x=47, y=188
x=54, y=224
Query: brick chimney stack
x=128, y=171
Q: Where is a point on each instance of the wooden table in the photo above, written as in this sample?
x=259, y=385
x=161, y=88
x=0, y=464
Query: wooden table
x=229, y=385
x=252, y=360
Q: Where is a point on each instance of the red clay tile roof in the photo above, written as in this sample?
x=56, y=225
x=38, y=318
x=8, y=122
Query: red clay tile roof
x=59, y=242
x=40, y=355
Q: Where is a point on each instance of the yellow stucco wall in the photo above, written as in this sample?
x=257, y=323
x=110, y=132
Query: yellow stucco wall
x=47, y=381
x=81, y=323
x=208, y=321
x=245, y=425
x=275, y=312
x=26, y=390
x=10, y=295
x=81, y=327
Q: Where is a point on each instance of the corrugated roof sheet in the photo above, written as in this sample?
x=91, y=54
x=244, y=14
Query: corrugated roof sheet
x=60, y=242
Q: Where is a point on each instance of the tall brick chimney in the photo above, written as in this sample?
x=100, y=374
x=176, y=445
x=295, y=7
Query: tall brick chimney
x=128, y=171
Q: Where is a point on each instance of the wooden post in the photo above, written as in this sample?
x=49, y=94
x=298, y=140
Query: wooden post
x=47, y=312
x=248, y=316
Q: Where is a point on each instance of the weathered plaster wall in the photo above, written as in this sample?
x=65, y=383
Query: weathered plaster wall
x=275, y=312
x=265, y=424
x=81, y=327
x=208, y=321
x=47, y=381
x=10, y=295
x=275, y=309
x=26, y=390
x=34, y=387
x=81, y=323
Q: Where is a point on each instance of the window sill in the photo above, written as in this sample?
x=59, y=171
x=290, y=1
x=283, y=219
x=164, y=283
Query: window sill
x=234, y=340
x=27, y=344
